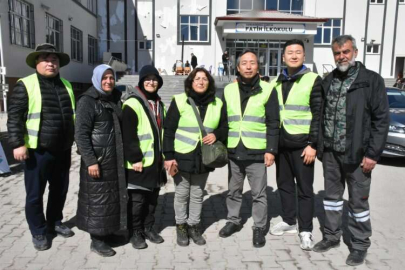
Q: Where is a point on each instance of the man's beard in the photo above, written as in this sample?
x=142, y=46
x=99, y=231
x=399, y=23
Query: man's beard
x=344, y=68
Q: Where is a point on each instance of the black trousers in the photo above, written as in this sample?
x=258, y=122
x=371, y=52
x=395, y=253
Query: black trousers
x=290, y=166
x=44, y=167
x=141, y=208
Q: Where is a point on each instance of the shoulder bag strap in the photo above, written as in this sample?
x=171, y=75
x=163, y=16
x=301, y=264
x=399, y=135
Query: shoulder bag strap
x=197, y=115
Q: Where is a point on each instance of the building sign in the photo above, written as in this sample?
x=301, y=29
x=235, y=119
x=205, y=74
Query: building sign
x=270, y=28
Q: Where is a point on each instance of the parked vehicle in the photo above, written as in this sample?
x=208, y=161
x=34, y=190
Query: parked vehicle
x=395, y=146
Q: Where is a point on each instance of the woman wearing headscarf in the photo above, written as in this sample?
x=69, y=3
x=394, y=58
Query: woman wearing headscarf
x=142, y=119
x=102, y=200
x=182, y=148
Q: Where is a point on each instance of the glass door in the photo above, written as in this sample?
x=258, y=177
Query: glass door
x=263, y=61
x=274, y=62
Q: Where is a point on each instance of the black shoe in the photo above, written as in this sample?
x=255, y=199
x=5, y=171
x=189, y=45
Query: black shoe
x=325, y=245
x=40, y=242
x=101, y=248
x=63, y=231
x=153, y=236
x=259, y=239
x=195, y=234
x=356, y=257
x=138, y=240
x=229, y=229
x=182, y=235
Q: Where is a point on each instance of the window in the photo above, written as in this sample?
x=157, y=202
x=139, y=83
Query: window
x=76, y=41
x=92, y=50
x=288, y=6
x=54, y=35
x=239, y=6
x=327, y=31
x=145, y=45
x=378, y=1
x=21, y=16
x=90, y=5
x=194, y=28
x=373, y=48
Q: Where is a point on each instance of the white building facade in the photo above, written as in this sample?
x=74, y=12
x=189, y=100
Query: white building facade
x=154, y=31
x=71, y=25
x=160, y=32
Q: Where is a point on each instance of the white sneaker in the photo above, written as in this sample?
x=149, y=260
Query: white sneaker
x=306, y=241
x=282, y=227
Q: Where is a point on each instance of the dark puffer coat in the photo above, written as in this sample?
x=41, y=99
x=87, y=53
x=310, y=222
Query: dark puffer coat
x=102, y=202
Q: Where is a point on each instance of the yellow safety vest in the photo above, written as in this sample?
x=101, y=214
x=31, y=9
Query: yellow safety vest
x=249, y=127
x=188, y=132
x=295, y=114
x=33, y=122
x=145, y=133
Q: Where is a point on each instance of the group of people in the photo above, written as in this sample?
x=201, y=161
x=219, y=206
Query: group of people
x=127, y=145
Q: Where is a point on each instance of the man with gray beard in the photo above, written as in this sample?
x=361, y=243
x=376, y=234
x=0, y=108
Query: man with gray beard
x=354, y=127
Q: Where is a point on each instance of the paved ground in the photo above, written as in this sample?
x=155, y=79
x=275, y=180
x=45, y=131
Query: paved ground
x=236, y=252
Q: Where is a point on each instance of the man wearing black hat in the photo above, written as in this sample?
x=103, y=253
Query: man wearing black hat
x=41, y=129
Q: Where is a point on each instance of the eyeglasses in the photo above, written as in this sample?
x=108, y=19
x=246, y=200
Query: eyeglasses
x=152, y=81
x=200, y=79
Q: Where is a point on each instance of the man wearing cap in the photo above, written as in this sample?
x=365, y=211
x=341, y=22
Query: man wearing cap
x=41, y=129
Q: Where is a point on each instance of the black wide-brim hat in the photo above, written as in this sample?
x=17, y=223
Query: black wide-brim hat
x=46, y=48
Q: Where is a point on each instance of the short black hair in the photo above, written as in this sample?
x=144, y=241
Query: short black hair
x=245, y=52
x=293, y=42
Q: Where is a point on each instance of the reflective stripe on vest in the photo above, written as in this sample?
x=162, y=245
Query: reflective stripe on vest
x=33, y=122
x=145, y=133
x=188, y=133
x=251, y=127
x=295, y=114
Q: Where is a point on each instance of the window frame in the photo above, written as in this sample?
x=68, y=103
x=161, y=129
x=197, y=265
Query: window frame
x=59, y=47
x=198, y=24
x=79, y=41
x=93, y=3
x=92, y=50
x=331, y=27
x=147, y=45
x=239, y=10
x=372, y=46
x=29, y=33
x=375, y=2
x=401, y=2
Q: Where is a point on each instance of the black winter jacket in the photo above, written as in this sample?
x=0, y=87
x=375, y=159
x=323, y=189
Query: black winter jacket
x=56, y=132
x=367, y=119
x=153, y=176
x=102, y=202
x=240, y=152
x=297, y=141
x=190, y=162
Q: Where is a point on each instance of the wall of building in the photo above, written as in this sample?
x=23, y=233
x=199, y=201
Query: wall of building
x=167, y=47
x=14, y=55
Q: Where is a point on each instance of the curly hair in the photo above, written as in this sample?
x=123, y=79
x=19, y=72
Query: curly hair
x=188, y=82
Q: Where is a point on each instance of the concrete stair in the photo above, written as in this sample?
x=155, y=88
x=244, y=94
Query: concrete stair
x=389, y=82
x=172, y=85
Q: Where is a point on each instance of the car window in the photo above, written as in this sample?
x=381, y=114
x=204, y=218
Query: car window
x=396, y=99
